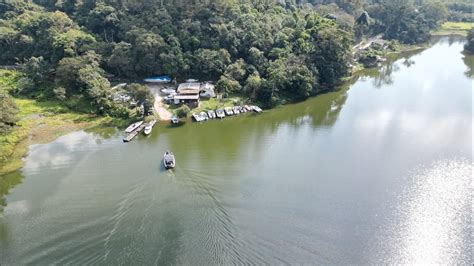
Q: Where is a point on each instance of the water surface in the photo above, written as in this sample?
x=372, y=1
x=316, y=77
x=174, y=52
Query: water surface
x=378, y=172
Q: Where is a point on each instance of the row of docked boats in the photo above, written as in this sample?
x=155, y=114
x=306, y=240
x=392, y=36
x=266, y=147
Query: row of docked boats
x=228, y=111
x=134, y=129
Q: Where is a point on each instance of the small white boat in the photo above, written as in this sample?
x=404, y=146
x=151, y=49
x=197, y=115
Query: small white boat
x=149, y=127
x=211, y=114
x=197, y=117
x=204, y=115
x=175, y=120
x=257, y=109
x=168, y=160
x=236, y=110
x=228, y=111
x=133, y=126
x=220, y=113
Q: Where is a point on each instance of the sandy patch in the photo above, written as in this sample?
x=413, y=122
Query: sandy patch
x=160, y=108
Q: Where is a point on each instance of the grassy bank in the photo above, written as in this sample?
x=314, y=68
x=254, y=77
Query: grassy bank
x=39, y=122
x=453, y=28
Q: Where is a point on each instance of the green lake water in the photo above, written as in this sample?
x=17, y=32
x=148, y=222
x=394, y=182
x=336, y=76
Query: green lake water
x=378, y=172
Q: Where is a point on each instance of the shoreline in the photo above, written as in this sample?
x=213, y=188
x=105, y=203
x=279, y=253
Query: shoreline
x=38, y=127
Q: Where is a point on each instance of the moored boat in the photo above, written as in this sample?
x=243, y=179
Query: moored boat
x=174, y=120
x=130, y=136
x=220, y=113
x=257, y=109
x=149, y=127
x=204, y=115
x=133, y=126
x=228, y=111
x=211, y=114
x=236, y=110
x=197, y=117
x=168, y=160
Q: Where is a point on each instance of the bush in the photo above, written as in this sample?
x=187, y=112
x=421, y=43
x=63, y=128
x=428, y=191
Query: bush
x=182, y=111
x=8, y=113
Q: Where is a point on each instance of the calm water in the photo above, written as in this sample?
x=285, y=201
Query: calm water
x=379, y=172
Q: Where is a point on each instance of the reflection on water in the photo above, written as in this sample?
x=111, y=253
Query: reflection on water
x=469, y=61
x=359, y=176
x=433, y=216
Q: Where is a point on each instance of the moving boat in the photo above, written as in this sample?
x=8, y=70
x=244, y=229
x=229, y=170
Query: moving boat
x=149, y=127
x=133, y=126
x=168, y=160
x=220, y=113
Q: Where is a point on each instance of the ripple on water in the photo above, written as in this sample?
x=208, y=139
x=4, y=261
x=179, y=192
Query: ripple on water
x=433, y=217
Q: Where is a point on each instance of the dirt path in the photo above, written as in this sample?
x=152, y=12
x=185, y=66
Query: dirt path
x=160, y=108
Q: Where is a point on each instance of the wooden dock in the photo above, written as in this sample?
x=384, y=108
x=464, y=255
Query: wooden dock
x=134, y=133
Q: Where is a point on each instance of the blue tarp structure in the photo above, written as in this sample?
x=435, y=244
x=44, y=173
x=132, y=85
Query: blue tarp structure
x=163, y=79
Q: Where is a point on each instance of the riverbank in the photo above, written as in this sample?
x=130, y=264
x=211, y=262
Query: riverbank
x=453, y=28
x=42, y=122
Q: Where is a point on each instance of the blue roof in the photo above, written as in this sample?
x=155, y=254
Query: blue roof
x=168, y=78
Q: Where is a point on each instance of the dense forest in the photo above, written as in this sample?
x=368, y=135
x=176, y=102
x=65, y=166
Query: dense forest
x=270, y=51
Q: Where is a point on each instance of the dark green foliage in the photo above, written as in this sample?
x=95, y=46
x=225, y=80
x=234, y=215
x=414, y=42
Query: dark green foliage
x=406, y=21
x=8, y=113
x=461, y=10
x=266, y=49
x=142, y=95
x=227, y=86
x=182, y=111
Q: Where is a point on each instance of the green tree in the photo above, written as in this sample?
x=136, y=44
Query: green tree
x=143, y=95
x=182, y=111
x=227, y=86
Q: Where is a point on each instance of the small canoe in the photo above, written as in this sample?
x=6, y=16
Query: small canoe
x=133, y=126
x=168, y=160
